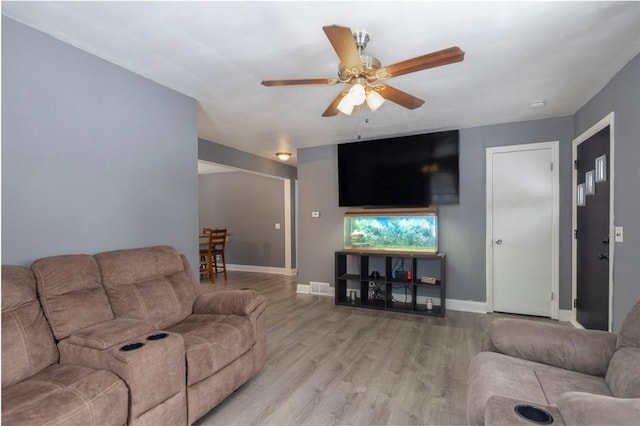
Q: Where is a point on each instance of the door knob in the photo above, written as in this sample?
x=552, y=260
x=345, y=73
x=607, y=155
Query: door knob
x=499, y=241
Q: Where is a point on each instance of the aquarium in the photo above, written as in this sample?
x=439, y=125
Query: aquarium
x=401, y=230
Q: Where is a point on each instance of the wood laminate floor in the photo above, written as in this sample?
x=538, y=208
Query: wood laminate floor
x=337, y=365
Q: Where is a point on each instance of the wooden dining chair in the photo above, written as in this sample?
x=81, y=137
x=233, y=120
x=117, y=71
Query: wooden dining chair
x=217, y=242
x=205, y=255
x=212, y=260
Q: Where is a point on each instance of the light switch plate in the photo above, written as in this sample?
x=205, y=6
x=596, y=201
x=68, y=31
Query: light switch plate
x=619, y=234
x=315, y=214
x=277, y=226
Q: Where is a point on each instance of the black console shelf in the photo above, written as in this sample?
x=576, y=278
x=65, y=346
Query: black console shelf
x=365, y=279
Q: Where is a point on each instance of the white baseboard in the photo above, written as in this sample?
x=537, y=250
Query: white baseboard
x=306, y=289
x=467, y=306
x=262, y=269
x=576, y=324
x=565, y=315
x=452, y=304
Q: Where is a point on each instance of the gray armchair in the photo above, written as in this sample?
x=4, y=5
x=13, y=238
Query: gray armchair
x=578, y=376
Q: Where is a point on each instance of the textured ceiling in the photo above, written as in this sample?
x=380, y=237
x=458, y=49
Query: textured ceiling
x=219, y=52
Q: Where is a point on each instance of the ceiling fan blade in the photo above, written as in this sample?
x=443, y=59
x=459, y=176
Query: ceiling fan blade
x=332, y=110
x=342, y=41
x=430, y=60
x=399, y=97
x=271, y=83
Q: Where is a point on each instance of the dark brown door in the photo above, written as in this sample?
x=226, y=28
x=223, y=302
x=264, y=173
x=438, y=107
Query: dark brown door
x=592, y=304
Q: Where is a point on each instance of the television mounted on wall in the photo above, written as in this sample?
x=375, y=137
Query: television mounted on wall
x=409, y=171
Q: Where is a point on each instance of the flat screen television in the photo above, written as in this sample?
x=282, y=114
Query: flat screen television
x=408, y=171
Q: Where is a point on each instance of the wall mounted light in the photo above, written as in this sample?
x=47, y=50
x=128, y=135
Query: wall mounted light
x=538, y=104
x=283, y=156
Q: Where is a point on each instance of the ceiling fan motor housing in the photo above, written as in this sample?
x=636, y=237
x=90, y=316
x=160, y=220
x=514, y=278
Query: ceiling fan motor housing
x=369, y=66
x=361, y=38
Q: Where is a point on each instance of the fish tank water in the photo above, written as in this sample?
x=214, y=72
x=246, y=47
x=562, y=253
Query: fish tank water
x=393, y=230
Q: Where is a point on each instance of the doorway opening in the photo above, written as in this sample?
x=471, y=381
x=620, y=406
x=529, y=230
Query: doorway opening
x=262, y=210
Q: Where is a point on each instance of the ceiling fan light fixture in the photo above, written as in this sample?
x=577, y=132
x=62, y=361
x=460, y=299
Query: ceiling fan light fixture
x=374, y=100
x=346, y=105
x=357, y=94
x=283, y=156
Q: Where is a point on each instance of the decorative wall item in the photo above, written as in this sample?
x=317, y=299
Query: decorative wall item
x=581, y=196
x=590, y=183
x=601, y=169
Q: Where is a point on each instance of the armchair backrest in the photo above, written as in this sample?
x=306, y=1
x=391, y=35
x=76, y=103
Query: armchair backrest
x=27, y=343
x=623, y=374
x=152, y=283
x=629, y=335
x=71, y=293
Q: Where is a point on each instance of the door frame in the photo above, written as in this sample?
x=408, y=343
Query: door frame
x=555, y=217
x=608, y=120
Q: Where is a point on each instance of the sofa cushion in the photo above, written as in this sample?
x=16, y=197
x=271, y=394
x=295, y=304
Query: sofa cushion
x=629, y=335
x=229, y=302
x=66, y=395
x=492, y=374
x=556, y=381
x=580, y=408
x=153, y=284
x=71, y=293
x=587, y=351
x=623, y=375
x=212, y=342
x=27, y=343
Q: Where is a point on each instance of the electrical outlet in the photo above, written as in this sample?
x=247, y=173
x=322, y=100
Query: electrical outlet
x=315, y=214
x=619, y=234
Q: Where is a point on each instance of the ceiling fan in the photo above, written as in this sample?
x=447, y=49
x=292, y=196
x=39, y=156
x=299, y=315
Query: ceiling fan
x=364, y=73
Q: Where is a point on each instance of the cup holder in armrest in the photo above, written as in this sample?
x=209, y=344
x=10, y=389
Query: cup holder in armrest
x=131, y=347
x=158, y=336
x=533, y=414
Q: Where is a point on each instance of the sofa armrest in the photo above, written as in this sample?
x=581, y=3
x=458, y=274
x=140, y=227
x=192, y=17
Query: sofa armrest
x=152, y=364
x=500, y=410
x=585, y=351
x=231, y=302
x=110, y=333
x=590, y=409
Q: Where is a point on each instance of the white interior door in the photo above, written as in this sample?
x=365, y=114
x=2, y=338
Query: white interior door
x=522, y=229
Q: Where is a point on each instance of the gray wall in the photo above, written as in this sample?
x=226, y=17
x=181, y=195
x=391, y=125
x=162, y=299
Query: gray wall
x=622, y=95
x=228, y=156
x=461, y=227
x=94, y=157
x=249, y=206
